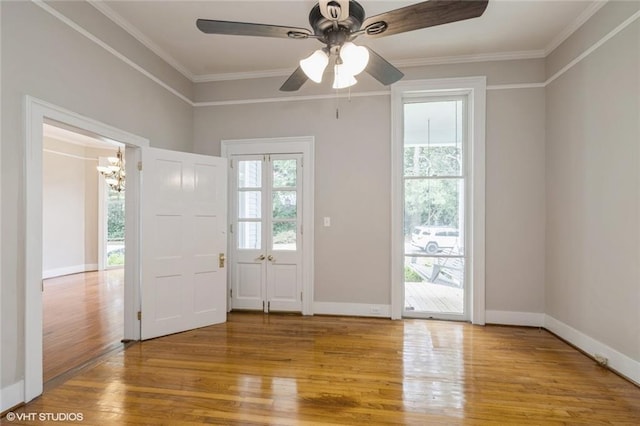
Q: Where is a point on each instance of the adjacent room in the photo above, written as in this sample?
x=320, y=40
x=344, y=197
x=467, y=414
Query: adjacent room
x=82, y=250
x=334, y=212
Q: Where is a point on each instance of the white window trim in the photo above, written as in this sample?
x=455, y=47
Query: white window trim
x=475, y=88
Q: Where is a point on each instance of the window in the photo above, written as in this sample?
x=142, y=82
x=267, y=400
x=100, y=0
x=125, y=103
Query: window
x=438, y=190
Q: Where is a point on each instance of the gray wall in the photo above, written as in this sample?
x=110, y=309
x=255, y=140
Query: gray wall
x=44, y=58
x=70, y=207
x=593, y=185
x=353, y=178
x=562, y=199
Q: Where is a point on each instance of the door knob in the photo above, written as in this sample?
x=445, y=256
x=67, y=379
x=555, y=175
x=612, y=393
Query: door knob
x=271, y=258
x=262, y=257
x=221, y=260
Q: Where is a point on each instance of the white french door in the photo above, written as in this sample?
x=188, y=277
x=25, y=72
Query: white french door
x=266, y=232
x=184, y=216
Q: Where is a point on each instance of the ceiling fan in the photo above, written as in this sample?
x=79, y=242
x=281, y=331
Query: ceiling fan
x=336, y=23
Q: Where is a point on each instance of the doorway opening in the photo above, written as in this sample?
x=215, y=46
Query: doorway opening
x=271, y=222
x=438, y=199
x=37, y=113
x=435, y=179
x=83, y=313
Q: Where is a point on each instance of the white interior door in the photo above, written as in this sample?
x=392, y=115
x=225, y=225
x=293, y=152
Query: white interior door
x=266, y=272
x=183, y=241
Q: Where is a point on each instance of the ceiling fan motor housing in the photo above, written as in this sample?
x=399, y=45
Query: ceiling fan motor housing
x=335, y=33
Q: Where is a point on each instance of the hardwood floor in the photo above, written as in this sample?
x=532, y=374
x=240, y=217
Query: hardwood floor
x=82, y=319
x=292, y=370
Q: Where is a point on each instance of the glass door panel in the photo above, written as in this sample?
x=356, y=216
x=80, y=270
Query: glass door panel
x=434, y=208
x=249, y=196
x=266, y=269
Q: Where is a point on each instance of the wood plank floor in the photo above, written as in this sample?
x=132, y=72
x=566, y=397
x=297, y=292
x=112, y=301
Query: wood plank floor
x=82, y=319
x=292, y=370
x=430, y=297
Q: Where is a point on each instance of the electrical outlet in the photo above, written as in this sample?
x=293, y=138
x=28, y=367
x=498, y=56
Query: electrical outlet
x=601, y=360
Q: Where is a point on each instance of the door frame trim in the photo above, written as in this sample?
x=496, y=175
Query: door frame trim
x=475, y=88
x=304, y=145
x=35, y=113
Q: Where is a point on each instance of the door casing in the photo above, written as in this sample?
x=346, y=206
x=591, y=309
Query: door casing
x=287, y=145
x=475, y=89
x=36, y=111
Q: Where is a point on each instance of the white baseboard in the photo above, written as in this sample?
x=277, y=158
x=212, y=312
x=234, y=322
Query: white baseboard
x=616, y=360
x=11, y=396
x=67, y=270
x=352, y=309
x=531, y=319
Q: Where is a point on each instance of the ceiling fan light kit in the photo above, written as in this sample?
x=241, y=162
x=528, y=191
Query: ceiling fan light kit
x=338, y=23
x=314, y=65
x=342, y=77
x=355, y=58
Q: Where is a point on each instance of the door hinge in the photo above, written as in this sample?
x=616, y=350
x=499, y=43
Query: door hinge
x=231, y=228
x=139, y=165
x=231, y=164
x=139, y=315
x=301, y=296
x=231, y=293
x=302, y=162
x=268, y=306
x=301, y=230
x=263, y=305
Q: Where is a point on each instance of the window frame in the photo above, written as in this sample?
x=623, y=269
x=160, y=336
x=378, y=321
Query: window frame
x=474, y=88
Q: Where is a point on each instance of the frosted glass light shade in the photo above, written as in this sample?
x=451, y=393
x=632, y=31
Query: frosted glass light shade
x=314, y=65
x=355, y=58
x=343, y=78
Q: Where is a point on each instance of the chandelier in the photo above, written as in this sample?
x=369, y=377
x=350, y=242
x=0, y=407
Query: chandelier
x=114, y=173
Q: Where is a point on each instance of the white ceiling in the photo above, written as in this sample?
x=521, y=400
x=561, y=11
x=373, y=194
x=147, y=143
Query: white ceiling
x=508, y=28
x=75, y=136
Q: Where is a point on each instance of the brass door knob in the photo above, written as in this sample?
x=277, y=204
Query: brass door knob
x=262, y=257
x=271, y=258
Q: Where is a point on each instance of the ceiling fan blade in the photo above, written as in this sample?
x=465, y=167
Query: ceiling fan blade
x=423, y=15
x=295, y=81
x=382, y=70
x=210, y=26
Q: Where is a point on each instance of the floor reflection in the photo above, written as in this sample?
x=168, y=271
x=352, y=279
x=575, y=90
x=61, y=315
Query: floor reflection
x=433, y=367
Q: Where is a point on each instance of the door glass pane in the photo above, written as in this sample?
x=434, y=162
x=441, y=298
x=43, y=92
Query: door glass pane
x=249, y=174
x=434, y=284
x=284, y=204
x=433, y=137
x=284, y=235
x=249, y=204
x=284, y=173
x=434, y=210
x=249, y=235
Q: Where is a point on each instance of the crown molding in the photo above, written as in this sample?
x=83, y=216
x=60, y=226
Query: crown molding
x=574, y=26
x=138, y=35
x=443, y=60
x=293, y=98
x=462, y=59
x=207, y=78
